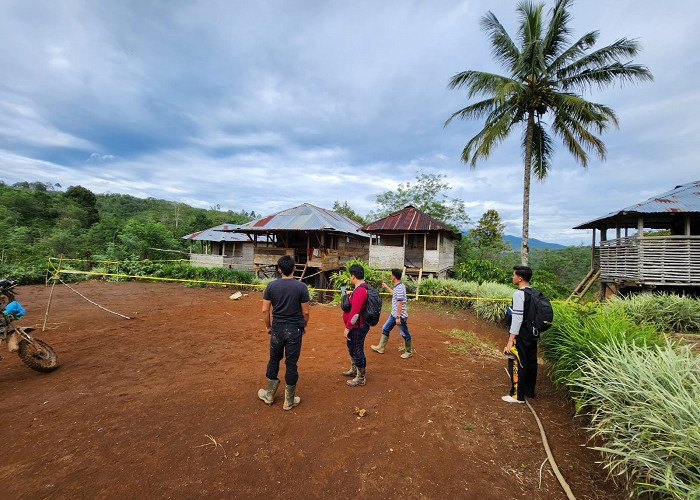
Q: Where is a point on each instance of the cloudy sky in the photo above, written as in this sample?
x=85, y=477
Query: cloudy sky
x=263, y=105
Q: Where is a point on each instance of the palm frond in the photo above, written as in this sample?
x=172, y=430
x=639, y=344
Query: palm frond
x=558, y=32
x=475, y=110
x=542, y=149
x=573, y=53
x=602, y=77
x=479, y=82
x=603, y=66
x=502, y=46
x=573, y=119
x=496, y=129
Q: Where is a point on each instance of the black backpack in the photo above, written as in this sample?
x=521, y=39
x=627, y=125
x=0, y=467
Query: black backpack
x=373, y=306
x=539, y=313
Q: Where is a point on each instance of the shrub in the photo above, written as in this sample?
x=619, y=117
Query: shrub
x=24, y=274
x=372, y=276
x=494, y=301
x=481, y=270
x=577, y=329
x=667, y=312
x=645, y=409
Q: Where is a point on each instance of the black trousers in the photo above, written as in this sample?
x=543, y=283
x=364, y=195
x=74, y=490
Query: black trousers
x=523, y=369
x=285, y=342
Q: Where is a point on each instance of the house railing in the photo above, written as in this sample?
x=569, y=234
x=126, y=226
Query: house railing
x=651, y=260
x=268, y=256
x=209, y=260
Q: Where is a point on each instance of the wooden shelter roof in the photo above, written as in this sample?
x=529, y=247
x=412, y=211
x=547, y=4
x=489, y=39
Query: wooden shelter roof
x=656, y=211
x=304, y=217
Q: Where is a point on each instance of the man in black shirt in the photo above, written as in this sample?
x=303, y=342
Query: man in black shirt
x=288, y=301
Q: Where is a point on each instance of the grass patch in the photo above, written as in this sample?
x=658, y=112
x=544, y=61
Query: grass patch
x=469, y=343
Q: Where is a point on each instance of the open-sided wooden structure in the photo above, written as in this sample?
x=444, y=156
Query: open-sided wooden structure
x=413, y=240
x=654, y=244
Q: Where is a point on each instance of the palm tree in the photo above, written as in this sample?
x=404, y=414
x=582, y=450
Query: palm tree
x=546, y=77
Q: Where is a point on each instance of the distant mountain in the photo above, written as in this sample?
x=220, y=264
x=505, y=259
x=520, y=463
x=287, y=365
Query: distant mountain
x=515, y=241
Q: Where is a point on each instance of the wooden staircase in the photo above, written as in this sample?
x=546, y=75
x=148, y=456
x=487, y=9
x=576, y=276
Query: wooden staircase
x=300, y=271
x=586, y=284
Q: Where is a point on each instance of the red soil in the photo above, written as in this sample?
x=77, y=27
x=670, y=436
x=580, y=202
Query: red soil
x=164, y=405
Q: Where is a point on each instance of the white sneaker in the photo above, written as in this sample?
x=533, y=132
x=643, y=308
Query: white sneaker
x=511, y=399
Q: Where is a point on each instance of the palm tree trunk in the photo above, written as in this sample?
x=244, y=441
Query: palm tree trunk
x=525, y=244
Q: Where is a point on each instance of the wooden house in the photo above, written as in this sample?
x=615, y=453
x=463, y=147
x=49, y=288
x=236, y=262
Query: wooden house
x=412, y=239
x=221, y=246
x=654, y=244
x=321, y=241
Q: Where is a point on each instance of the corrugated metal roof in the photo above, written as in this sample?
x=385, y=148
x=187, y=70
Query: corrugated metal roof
x=408, y=219
x=224, y=232
x=681, y=199
x=305, y=217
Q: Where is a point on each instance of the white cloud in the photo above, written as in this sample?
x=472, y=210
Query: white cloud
x=265, y=105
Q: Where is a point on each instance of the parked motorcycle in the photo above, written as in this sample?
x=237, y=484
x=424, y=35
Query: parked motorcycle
x=35, y=353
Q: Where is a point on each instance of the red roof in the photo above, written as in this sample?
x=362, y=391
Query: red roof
x=408, y=219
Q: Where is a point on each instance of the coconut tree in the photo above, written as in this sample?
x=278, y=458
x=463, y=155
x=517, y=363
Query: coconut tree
x=547, y=74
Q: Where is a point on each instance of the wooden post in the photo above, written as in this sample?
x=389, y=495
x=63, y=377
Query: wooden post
x=48, y=305
x=420, y=278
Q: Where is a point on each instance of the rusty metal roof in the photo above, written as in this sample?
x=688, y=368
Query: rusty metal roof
x=408, y=219
x=305, y=217
x=224, y=232
x=681, y=199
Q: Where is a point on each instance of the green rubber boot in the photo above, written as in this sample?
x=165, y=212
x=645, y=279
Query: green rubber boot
x=269, y=395
x=351, y=372
x=382, y=344
x=407, y=353
x=359, y=378
x=290, y=400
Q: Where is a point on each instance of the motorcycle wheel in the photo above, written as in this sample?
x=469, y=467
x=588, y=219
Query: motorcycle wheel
x=38, y=355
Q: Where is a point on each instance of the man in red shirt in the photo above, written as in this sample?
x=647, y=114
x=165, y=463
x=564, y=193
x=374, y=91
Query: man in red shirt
x=355, y=327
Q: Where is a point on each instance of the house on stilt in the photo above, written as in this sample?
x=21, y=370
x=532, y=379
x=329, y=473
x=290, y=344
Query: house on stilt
x=320, y=240
x=652, y=245
x=411, y=239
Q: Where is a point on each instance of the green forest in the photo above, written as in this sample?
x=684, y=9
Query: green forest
x=39, y=221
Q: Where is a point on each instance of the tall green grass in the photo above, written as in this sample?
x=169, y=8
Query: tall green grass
x=644, y=406
x=578, y=329
x=495, y=299
x=667, y=312
x=454, y=292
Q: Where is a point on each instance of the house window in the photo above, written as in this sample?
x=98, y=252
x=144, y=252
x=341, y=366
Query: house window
x=237, y=249
x=392, y=240
x=431, y=241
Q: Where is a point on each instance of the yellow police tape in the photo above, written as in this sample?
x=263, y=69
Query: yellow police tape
x=58, y=270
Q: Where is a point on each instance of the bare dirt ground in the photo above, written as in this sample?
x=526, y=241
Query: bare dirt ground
x=164, y=405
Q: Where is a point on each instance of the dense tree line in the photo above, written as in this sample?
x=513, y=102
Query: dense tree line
x=39, y=221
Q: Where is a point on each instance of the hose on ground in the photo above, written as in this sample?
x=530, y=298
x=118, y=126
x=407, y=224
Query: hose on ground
x=550, y=457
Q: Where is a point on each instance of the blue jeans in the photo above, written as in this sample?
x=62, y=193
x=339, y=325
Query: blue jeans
x=356, y=345
x=285, y=342
x=403, y=327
